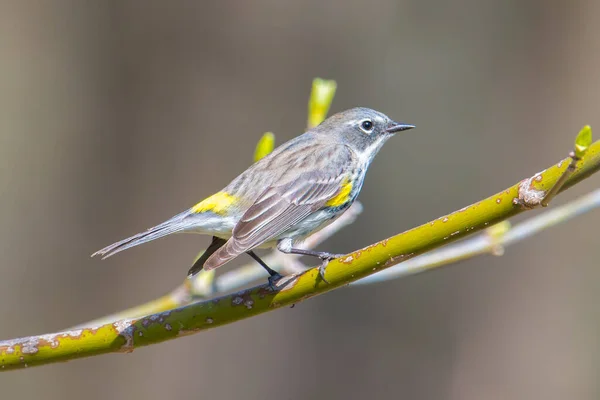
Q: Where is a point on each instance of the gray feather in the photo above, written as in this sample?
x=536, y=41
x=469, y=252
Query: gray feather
x=176, y=224
x=282, y=206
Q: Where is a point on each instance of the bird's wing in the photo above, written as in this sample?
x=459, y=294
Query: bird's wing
x=280, y=207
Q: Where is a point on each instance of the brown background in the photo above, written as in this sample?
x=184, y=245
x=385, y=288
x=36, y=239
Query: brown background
x=115, y=115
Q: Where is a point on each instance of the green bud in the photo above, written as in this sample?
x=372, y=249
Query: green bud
x=583, y=141
x=320, y=100
x=264, y=146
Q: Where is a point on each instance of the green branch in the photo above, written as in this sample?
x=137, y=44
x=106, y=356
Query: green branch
x=492, y=241
x=125, y=336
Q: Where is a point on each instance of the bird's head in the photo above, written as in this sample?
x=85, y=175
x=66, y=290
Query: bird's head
x=363, y=129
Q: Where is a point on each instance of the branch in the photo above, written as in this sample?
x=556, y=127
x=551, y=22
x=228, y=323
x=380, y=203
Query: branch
x=492, y=241
x=127, y=335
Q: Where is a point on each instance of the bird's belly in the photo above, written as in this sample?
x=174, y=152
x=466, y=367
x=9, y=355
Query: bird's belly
x=214, y=225
x=311, y=224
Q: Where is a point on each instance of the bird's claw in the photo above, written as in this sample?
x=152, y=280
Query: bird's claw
x=330, y=256
x=326, y=258
x=322, y=270
x=273, y=280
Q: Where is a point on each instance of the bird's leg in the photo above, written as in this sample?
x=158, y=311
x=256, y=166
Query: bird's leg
x=274, y=276
x=285, y=247
x=199, y=264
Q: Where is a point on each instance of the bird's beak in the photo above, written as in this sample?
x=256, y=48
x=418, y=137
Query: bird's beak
x=398, y=127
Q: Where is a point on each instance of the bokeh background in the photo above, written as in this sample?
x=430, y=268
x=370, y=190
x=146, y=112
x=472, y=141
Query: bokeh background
x=115, y=115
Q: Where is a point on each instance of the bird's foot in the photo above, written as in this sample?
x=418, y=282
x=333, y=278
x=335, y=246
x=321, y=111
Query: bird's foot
x=273, y=280
x=322, y=268
x=326, y=258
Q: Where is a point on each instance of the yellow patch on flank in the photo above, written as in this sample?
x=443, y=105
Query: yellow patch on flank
x=217, y=203
x=343, y=195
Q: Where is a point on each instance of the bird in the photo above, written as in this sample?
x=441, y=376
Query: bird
x=293, y=192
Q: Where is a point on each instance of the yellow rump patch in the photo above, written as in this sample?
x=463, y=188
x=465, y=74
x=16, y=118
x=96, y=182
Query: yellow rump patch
x=217, y=203
x=343, y=195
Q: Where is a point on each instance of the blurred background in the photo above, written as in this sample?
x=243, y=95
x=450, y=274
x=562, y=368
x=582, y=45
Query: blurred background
x=115, y=115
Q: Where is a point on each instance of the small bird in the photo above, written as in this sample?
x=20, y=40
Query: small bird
x=298, y=189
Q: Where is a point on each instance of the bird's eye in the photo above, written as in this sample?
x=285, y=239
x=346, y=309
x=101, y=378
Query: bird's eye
x=366, y=126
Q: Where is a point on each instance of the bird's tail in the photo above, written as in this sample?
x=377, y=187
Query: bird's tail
x=173, y=225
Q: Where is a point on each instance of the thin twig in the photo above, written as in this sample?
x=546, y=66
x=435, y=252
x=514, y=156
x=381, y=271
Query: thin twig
x=564, y=177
